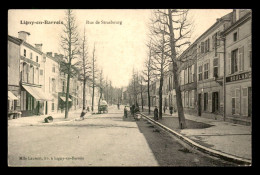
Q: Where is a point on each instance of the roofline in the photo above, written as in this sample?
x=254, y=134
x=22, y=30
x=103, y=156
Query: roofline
x=246, y=17
x=26, y=44
x=15, y=40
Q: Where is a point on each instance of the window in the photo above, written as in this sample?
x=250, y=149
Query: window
x=41, y=72
x=205, y=101
x=37, y=59
x=206, y=71
x=31, y=56
x=53, y=85
x=215, y=67
x=244, y=101
x=187, y=99
x=24, y=53
x=235, y=94
x=235, y=36
x=202, y=47
x=190, y=75
x=234, y=62
x=200, y=72
x=241, y=58
x=206, y=45
x=63, y=86
x=53, y=68
x=52, y=106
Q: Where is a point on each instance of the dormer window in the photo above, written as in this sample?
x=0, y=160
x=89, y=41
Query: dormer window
x=24, y=53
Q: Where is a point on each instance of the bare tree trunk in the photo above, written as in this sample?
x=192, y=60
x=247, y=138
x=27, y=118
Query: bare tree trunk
x=160, y=97
x=182, y=122
x=67, y=93
x=84, y=95
x=149, y=98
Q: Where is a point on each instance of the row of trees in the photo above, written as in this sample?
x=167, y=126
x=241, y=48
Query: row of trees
x=170, y=31
x=75, y=47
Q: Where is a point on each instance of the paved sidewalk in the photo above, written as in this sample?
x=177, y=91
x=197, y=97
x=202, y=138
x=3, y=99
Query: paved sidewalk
x=39, y=120
x=226, y=137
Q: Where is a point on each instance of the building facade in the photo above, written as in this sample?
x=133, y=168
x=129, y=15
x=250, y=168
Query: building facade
x=188, y=79
x=210, y=70
x=238, y=39
x=13, y=74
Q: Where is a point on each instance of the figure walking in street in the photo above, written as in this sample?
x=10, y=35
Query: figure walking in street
x=164, y=108
x=125, y=112
x=155, y=113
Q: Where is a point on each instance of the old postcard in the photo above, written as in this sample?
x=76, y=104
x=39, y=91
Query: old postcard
x=129, y=87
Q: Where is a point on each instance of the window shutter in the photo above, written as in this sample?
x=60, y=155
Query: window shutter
x=229, y=63
x=237, y=103
x=241, y=58
x=210, y=101
x=192, y=73
x=244, y=101
x=208, y=44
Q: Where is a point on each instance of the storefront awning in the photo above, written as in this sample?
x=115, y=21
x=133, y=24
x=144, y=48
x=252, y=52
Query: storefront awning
x=11, y=96
x=37, y=93
x=64, y=99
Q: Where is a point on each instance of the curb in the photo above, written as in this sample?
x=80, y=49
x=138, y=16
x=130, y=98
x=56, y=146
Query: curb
x=212, y=152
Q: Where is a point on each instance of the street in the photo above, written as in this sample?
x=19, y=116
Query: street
x=101, y=140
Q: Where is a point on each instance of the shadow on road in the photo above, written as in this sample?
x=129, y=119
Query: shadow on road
x=169, y=152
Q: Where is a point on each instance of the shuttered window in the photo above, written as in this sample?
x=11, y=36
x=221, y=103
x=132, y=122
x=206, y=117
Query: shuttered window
x=233, y=101
x=244, y=101
x=237, y=111
x=209, y=101
x=200, y=73
x=241, y=58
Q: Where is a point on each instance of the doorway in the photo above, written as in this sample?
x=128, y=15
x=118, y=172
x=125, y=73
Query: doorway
x=215, y=101
x=199, y=104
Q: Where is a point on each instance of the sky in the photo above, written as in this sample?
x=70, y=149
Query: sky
x=120, y=47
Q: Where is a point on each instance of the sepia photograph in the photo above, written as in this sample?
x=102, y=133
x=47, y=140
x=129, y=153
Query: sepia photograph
x=129, y=88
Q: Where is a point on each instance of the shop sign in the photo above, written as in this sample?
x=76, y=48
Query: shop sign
x=238, y=77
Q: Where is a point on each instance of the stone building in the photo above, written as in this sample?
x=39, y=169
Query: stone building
x=32, y=96
x=188, y=79
x=13, y=74
x=210, y=69
x=238, y=51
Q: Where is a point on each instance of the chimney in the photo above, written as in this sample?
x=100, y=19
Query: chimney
x=38, y=46
x=237, y=14
x=49, y=54
x=23, y=35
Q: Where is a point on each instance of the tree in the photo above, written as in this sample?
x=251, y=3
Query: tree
x=100, y=85
x=94, y=72
x=69, y=43
x=178, y=32
x=84, y=66
x=141, y=88
x=160, y=61
x=147, y=73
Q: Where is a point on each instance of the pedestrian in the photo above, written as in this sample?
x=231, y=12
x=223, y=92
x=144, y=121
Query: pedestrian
x=125, y=112
x=155, y=113
x=164, y=108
